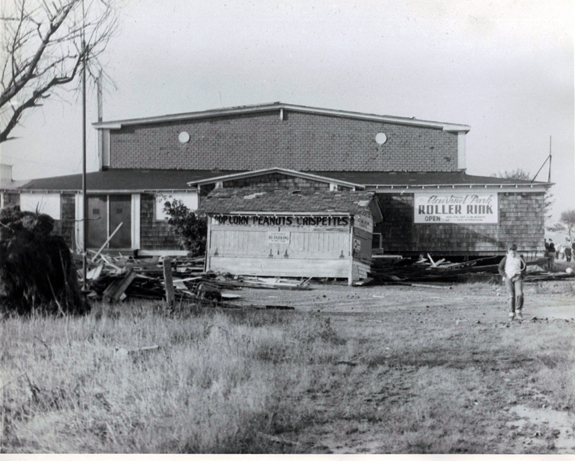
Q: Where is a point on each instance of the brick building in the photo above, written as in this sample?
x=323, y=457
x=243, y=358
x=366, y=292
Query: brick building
x=416, y=168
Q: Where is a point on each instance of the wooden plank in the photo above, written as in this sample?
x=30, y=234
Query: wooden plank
x=94, y=273
x=254, y=243
x=106, y=242
x=169, y=281
x=282, y=267
x=350, y=269
x=116, y=289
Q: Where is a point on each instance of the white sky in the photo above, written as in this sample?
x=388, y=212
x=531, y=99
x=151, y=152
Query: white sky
x=503, y=67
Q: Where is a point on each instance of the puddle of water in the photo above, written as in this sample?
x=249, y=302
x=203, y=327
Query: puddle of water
x=557, y=420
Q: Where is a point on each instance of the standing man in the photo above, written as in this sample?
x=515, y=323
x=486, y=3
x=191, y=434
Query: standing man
x=568, y=249
x=560, y=253
x=513, y=268
x=551, y=255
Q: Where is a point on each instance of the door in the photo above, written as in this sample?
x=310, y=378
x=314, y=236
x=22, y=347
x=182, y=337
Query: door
x=121, y=212
x=105, y=213
x=97, y=221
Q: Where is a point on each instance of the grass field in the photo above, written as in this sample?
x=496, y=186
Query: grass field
x=375, y=373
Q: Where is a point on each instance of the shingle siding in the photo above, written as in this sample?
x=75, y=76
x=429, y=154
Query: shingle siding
x=255, y=200
x=277, y=181
x=67, y=223
x=521, y=220
x=154, y=235
x=301, y=141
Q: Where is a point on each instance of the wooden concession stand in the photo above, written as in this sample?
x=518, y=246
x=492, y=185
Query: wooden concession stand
x=326, y=234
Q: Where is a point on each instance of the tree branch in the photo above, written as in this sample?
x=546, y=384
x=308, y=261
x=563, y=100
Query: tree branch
x=52, y=31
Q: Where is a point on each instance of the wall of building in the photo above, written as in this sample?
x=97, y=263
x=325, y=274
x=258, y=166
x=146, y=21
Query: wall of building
x=521, y=220
x=154, y=235
x=10, y=199
x=277, y=181
x=301, y=141
x=66, y=226
x=309, y=251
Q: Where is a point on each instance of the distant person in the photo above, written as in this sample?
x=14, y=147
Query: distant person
x=559, y=253
x=513, y=268
x=551, y=256
x=546, y=243
x=568, y=250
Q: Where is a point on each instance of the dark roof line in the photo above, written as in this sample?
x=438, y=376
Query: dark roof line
x=136, y=180
x=118, y=124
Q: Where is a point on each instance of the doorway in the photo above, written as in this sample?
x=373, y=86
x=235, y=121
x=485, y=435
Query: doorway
x=105, y=213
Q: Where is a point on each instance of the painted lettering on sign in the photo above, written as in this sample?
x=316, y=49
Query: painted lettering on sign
x=242, y=220
x=278, y=237
x=456, y=208
x=363, y=222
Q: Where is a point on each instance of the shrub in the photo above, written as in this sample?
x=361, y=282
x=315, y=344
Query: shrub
x=190, y=229
x=36, y=269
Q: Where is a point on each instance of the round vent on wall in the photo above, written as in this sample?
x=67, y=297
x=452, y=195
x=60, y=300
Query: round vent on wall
x=381, y=138
x=184, y=137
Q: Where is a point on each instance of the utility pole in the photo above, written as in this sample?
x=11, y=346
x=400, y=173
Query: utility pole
x=84, y=197
x=549, y=178
x=100, y=147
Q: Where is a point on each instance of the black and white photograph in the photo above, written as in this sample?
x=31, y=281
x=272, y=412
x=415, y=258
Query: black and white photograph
x=306, y=227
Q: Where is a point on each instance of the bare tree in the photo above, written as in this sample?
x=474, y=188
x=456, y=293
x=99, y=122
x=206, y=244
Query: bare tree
x=43, y=44
x=523, y=175
x=566, y=224
x=514, y=174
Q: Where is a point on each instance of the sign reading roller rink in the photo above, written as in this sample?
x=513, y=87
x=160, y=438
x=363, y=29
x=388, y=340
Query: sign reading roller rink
x=456, y=208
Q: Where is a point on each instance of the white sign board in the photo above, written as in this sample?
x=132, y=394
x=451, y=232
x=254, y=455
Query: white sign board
x=278, y=237
x=456, y=208
x=364, y=222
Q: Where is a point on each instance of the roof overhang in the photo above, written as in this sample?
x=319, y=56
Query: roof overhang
x=101, y=191
x=118, y=124
x=460, y=187
x=266, y=171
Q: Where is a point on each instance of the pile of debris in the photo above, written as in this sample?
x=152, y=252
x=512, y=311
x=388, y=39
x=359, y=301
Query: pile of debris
x=116, y=278
x=394, y=271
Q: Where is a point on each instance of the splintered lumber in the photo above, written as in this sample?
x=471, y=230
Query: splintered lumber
x=169, y=281
x=545, y=277
x=258, y=282
x=94, y=273
x=117, y=288
x=364, y=282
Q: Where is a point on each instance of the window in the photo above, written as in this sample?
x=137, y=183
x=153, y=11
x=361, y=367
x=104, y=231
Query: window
x=377, y=242
x=189, y=199
x=43, y=203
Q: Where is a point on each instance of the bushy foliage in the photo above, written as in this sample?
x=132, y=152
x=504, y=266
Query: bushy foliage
x=36, y=269
x=191, y=230
x=566, y=224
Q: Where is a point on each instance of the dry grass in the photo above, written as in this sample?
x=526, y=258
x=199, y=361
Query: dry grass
x=67, y=387
x=415, y=380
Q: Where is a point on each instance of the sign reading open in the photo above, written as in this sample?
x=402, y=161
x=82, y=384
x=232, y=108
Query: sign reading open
x=456, y=208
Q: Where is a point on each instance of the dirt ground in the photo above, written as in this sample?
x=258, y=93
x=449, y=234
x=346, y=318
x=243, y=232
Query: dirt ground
x=479, y=304
x=550, y=299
